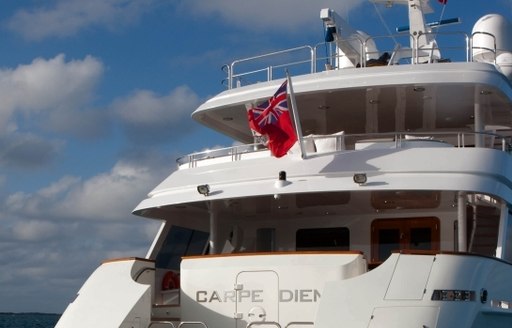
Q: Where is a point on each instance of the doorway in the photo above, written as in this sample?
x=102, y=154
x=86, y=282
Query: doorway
x=390, y=235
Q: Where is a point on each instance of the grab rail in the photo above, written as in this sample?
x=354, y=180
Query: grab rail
x=255, y=323
x=185, y=323
x=274, y=323
x=163, y=322
x=260, y=323
x=300, y=323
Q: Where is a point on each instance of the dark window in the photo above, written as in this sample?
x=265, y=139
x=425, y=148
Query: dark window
x=180, y=242
x=265, y=240
x=421, y=238
x=323, y=239
x=389, y=241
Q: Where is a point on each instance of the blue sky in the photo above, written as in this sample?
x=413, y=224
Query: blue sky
x=95, y=104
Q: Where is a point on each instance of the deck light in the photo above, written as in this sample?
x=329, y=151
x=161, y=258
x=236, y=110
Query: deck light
x=282, y=175
x=203, y=189
x=360, y=178
x=281, y=180
x=483, y=295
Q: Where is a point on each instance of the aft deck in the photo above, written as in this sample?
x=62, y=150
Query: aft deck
x=320, y=145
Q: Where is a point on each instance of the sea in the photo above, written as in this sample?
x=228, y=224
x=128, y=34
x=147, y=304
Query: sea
x=28, y=320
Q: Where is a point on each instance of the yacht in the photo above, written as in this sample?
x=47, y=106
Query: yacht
x=391, y=208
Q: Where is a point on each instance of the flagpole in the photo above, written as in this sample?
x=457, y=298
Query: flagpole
x=296, y=120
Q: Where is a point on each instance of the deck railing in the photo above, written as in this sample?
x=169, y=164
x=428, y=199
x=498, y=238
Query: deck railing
x=358, y=142
x=307, y=59
x=288, y=58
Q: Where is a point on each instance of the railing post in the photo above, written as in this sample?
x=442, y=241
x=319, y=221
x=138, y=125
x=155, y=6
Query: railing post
x=461, y=222
x=230, y=76
x=468, y=47
x=362, y=56
x=313, y=59
x=414, y=49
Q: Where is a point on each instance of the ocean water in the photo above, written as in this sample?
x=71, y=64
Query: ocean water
x=28, y=320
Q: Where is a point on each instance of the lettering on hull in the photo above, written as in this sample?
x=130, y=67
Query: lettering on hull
x=256, y=296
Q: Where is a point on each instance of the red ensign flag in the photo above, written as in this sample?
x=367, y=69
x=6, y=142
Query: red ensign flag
x=272, y=118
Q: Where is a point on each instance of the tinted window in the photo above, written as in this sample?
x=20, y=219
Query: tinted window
x=323, y=239
x=420, y=238
x=389, y=241
x=180, y=242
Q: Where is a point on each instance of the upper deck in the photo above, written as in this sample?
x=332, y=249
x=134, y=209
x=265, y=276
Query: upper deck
x=445, y=96
x=461, y=102
x=399, y=94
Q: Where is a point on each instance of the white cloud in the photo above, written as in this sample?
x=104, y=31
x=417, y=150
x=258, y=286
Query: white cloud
x=149, y=117
x=114, y=194
x=49, y=95
x=50, y=83
x=27, y=150
x=58, y=188
x=65, y=18
x=47, y=84
x=34, y=230
x=268, y=15
x=69, y=226
x=107, y=196
x=144, y=107
x=42, y=202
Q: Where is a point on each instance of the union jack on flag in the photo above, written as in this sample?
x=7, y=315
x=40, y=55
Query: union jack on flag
x=269, y=111
x=272, y=118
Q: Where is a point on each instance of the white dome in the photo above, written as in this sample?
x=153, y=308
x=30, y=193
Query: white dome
x=504, y=62
x=488, y=30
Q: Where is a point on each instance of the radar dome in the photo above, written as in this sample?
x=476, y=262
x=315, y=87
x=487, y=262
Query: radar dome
x=504, y=62
x=491, y=31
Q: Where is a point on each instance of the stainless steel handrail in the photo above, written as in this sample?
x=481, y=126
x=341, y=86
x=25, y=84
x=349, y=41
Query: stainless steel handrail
x=299, y=323
x=459, y=140
x=313, y=59
x=260, y=323
x=163, y=322
x=231, y=70
x=186, y=323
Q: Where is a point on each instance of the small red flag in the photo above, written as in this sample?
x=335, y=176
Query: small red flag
x=272, y=118
x=443, y=1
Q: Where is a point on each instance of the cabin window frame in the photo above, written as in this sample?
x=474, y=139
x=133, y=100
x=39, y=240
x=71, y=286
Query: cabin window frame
x=405, y=227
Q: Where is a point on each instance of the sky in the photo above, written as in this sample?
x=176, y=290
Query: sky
x=95, y=104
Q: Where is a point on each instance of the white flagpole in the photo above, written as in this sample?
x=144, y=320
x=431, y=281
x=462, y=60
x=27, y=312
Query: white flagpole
x=296, y=120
